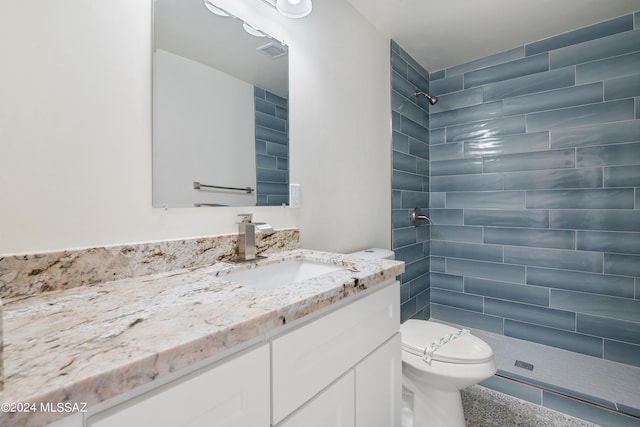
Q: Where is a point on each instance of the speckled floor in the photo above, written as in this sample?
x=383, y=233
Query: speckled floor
x=487, y=408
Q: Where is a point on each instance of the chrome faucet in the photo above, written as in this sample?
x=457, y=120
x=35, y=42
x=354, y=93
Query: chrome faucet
x=247, y=236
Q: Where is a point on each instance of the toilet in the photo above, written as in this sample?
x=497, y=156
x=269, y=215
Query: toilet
x=438, y=361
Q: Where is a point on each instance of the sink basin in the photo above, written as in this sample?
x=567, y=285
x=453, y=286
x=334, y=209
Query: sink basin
x=282, y=274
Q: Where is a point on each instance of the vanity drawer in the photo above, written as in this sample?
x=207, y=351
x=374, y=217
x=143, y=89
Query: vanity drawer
x=234, y=393
x=307, y=359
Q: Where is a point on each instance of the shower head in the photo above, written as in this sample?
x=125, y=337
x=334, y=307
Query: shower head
x=432, y=99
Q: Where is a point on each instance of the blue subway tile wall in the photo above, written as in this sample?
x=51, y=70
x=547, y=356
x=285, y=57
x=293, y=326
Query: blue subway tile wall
x=272, y=148
x=410, y=180
x=535, y=192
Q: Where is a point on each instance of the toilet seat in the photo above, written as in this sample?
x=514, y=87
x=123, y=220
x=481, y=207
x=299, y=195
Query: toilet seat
x=417, y=335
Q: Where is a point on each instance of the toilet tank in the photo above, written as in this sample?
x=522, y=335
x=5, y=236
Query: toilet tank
x=374, y=253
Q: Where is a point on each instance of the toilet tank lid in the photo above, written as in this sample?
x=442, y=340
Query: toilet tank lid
x=374, y=253
x=467, y=348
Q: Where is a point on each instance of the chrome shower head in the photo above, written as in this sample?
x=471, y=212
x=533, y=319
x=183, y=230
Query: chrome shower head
x=431, y=98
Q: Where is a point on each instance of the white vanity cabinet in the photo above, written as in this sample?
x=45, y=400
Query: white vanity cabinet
x=338, y=368
x=234, y=393
x=379, y=386
x=358, y=341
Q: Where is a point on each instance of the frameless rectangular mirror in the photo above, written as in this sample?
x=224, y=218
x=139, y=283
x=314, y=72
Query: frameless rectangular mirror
x=220, y=109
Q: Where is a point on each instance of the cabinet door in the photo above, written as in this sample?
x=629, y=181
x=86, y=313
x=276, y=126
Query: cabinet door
x=234, y=393
x=334, y=407
x=307, y=359
x=379, y=386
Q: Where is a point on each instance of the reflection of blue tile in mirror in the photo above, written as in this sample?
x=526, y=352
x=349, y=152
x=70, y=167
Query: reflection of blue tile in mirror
x=554, y=159
x=508, y=291
x=556, y=239
x=599, y=305
x=553, y=337
x=612, y=220
x=598, y=134
x=608, y=241
x=596, y=283
x=602, y=29
x=554, y=258
x=559, y=178
x=507, y=218
x=617, y=154
x=533, y=83
x=613, y=111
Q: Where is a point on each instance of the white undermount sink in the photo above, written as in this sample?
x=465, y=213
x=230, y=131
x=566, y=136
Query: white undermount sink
x=282, y=274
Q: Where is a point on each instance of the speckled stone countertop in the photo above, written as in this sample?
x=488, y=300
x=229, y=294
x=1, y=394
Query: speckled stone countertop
x=91, y=343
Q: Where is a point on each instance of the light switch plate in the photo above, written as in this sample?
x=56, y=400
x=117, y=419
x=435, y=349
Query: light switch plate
x=294, y=195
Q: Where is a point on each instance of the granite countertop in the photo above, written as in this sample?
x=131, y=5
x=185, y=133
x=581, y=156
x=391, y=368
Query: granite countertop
x=91, y=343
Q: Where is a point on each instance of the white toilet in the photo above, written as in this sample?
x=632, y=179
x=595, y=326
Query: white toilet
x=437, y=362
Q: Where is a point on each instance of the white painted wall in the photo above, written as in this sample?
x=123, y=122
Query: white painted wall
x=75, y=128
x=198, y=110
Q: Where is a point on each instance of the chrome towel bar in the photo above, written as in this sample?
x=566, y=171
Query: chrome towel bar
x=197, y=186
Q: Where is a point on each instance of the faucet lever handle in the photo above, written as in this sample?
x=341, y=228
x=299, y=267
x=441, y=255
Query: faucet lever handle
x=245, y=217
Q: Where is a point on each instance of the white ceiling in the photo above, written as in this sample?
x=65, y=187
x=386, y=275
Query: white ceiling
x=443, y=33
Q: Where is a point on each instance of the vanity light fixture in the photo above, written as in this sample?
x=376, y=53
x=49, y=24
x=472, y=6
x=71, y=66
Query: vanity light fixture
x=253, y=30
x=294, y=8
x=215, y=9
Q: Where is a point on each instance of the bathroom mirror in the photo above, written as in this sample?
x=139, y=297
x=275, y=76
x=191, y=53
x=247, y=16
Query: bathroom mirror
x=220, y=109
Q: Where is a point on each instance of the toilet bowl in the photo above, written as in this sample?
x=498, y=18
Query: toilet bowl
x=437, y=362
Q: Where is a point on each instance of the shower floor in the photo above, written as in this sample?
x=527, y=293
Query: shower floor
x=488, y=408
